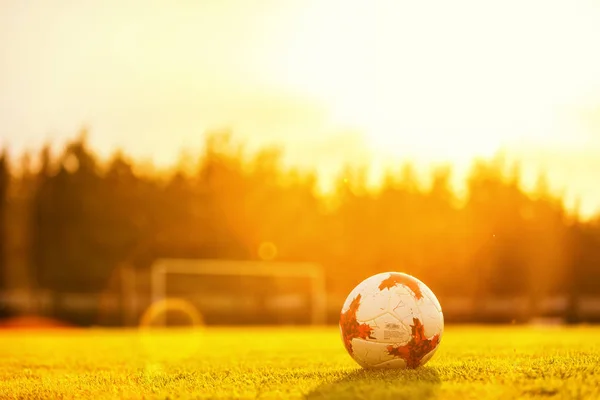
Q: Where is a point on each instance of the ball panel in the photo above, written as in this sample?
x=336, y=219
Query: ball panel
x=431, y=296
x=353, y=294
x=430, y=318
x=351, y=328
x=387, y=328
x=373, y=305
x=428, y=357
x=369, y=353
x=418, y=346
x=365, y=288
x=397, y=363
x=404, y=304
x=395, y=279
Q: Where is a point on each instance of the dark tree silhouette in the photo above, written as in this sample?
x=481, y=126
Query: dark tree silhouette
x=4, y=183
x=498, y=241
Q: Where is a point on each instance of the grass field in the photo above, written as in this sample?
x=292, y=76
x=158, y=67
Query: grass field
x=471, y=363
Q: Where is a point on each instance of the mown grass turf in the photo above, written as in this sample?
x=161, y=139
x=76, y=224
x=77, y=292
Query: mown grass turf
x=472, y=363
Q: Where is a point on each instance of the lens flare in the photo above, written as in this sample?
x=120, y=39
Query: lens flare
x=157, y=311
x=168, y=345
x=267, y=251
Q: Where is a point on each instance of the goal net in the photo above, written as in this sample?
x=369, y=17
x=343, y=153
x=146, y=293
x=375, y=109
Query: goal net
x=240, y=292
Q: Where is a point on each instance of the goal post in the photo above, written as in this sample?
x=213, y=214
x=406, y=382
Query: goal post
x=161, y=269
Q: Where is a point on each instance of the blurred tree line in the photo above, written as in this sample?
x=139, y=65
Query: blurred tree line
x=72, y=219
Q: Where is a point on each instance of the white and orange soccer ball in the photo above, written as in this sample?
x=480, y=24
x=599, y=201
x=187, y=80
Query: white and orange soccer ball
x=391, y=320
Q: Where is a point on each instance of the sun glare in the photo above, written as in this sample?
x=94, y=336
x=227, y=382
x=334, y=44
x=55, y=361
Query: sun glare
x=331, y=82
x=448, y=89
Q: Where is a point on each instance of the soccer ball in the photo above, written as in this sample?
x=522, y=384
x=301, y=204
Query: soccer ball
x=391, y=320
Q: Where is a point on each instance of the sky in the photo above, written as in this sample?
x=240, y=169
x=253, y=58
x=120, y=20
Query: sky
x=374, y=82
